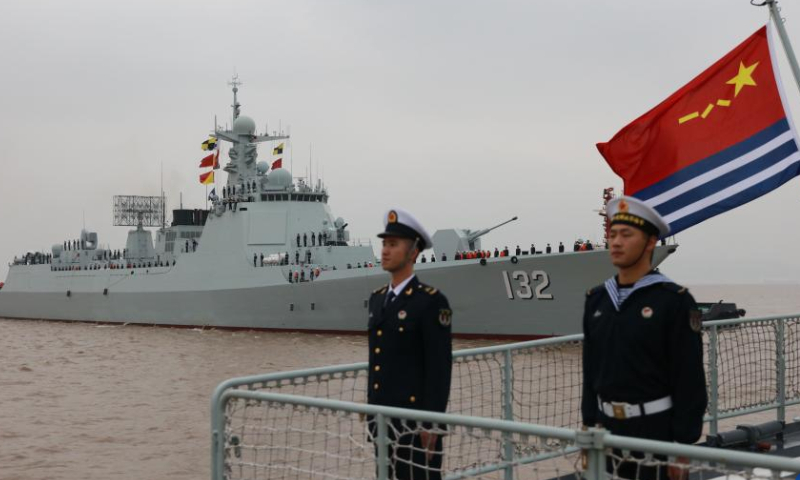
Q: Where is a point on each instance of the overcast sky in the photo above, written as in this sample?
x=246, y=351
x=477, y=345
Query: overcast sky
x=465, y=113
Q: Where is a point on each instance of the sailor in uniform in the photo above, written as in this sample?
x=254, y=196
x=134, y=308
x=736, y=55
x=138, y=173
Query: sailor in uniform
x=410, y=350
x=642, y=352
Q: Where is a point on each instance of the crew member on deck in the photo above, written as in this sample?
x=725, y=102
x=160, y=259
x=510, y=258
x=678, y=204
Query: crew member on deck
x=642, y=352
x=410, y=350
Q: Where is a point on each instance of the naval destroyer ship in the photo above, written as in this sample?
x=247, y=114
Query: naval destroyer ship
x=270, y=254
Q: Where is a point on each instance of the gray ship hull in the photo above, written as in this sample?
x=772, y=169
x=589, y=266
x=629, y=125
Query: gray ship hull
x=540, y=295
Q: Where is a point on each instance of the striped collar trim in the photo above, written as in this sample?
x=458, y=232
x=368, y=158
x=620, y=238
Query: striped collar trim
x=646, y=281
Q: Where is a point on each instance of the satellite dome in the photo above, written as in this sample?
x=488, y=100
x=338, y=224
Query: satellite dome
x=280, y=177
x=262, y=167
x=244, y=125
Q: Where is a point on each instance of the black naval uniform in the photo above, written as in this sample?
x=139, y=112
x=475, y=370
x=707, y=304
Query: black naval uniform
x=649, y=349
x=410, y=362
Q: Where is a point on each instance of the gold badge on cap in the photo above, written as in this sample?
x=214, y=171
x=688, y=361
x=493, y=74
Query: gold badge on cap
x=392, y=216
x=647, y=312
x=402, y=314
x=623, y=206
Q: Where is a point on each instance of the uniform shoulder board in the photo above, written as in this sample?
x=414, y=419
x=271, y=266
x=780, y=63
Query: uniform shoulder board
x=674, y=287
x=428, y=289
x=594, y=290
x=380, y=290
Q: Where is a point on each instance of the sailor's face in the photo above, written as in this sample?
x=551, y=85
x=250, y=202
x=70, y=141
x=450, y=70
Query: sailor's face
x=396, y=253
x=626, y=244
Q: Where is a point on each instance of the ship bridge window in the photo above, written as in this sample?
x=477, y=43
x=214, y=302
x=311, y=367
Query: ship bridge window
x=275, y=197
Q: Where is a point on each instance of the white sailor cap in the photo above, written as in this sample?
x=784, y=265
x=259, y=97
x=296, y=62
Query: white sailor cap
x=399, y=223
x=634, y=212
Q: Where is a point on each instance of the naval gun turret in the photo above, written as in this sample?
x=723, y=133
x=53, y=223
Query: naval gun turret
x=454, y=240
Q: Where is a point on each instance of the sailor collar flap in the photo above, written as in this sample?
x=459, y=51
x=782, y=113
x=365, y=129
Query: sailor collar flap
x=646, y=281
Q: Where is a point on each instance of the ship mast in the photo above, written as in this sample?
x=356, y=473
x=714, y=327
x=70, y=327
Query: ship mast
x=608, y=195
x=242, y=135
x=235, y=82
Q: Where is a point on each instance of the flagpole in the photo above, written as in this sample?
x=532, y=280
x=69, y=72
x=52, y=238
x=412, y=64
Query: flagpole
x=774, y=13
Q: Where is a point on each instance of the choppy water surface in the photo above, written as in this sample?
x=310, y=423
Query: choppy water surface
x=81, y=401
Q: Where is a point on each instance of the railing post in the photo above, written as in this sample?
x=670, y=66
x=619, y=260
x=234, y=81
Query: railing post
x=780, y=361
x=217, y=437
x=713, y=407
x=508, y=412
x=382, y=441
x=592, y=443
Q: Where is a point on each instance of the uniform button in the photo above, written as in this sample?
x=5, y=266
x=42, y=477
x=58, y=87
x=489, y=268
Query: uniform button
x=401, y=329
x=377, y=368
x=380, y=332
x=375, y=386
x=377, y=349
x=413, y=399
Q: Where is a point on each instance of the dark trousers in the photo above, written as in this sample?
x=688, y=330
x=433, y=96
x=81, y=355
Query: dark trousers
x=408, y=460
x=651, y=427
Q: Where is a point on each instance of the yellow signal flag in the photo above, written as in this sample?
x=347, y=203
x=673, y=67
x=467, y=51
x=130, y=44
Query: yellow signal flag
x=207, y=178
x=210, y=144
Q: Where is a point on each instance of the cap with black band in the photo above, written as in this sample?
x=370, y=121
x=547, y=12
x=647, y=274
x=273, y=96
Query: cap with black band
x=399, y=223
x=634, y=212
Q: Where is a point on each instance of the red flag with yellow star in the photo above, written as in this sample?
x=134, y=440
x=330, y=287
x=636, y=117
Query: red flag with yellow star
x=722, y=140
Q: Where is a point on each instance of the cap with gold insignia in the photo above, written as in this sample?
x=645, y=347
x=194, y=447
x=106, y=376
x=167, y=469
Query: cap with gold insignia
x=399, y=223
x=634, y=212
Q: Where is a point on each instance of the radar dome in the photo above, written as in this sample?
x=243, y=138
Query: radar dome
x=262, y=167
x=280, y=177
x=244, y=125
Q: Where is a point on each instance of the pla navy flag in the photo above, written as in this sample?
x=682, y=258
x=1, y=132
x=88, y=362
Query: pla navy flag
x=722, y=140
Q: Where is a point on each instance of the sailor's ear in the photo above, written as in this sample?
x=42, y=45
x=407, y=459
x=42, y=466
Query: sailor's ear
x=652, y=241
x=413, y=249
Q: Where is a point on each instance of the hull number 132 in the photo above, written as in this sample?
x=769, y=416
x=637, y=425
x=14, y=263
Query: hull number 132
x=526, y=287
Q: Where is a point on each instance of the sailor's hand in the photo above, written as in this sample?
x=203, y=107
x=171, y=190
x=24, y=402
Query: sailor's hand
x=428, y=443
x=677, y=472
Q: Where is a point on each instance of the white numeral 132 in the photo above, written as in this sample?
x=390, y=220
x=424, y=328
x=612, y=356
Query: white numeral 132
x=527, y=288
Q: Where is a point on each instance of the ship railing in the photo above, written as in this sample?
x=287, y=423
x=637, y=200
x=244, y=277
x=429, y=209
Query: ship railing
x=752, y=365
x=360, y=242
x=272, y=435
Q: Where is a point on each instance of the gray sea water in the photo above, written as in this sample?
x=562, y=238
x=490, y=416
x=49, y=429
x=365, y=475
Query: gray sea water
x=82, y=401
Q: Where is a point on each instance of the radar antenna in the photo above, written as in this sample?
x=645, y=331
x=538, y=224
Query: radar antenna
x=138, y=211
x=235, y=82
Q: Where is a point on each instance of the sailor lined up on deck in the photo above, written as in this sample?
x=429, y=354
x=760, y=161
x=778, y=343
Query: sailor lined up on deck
x=642, y=352
x=410, y=350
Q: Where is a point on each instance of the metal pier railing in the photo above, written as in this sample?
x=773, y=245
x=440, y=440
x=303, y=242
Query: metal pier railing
x=752, y=365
